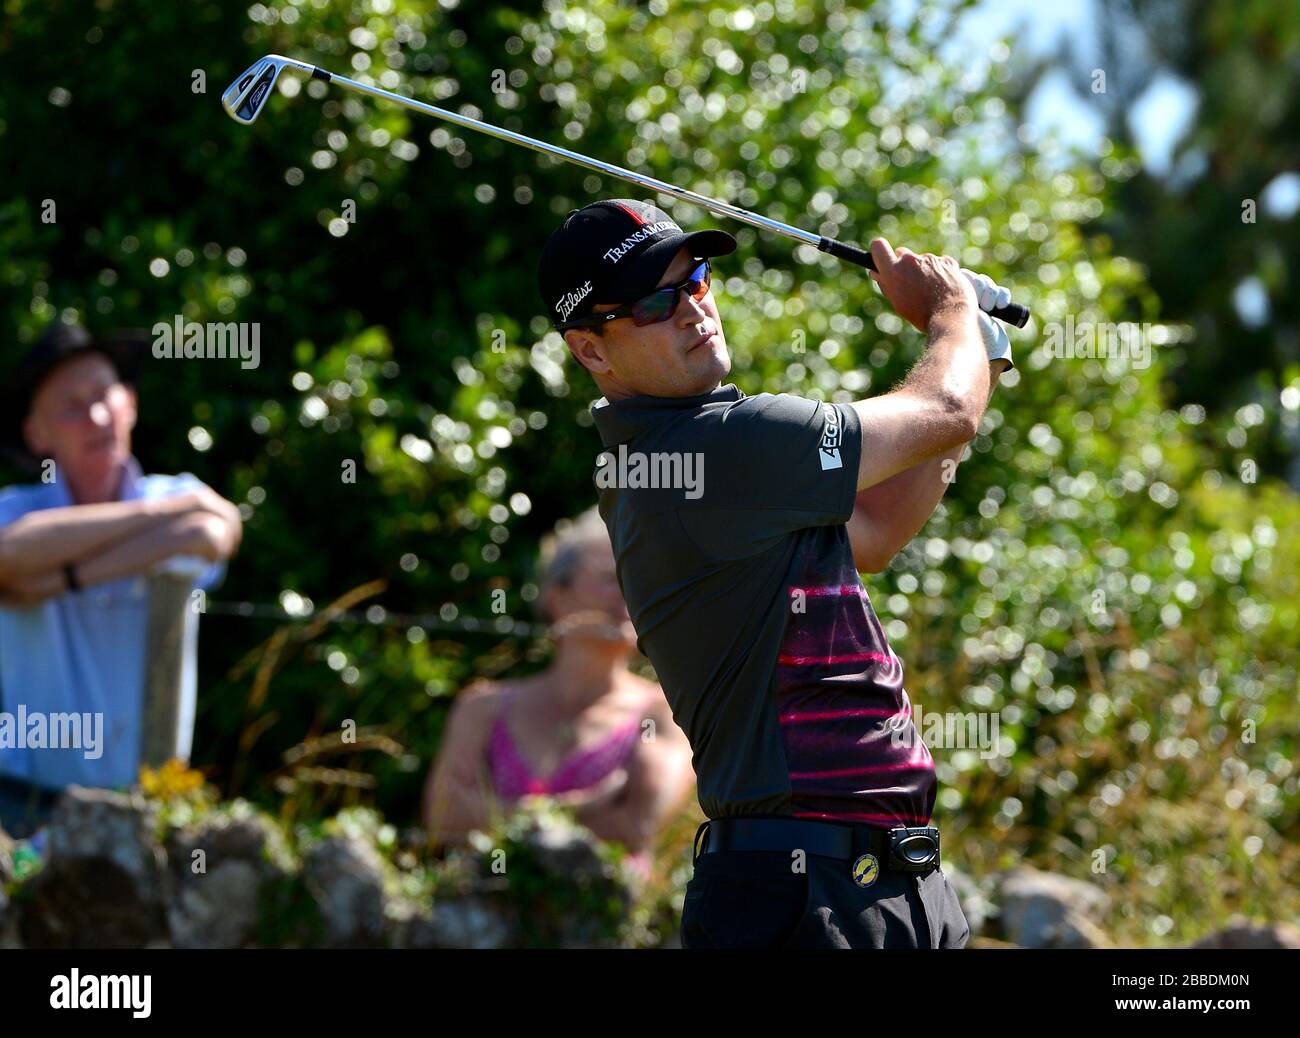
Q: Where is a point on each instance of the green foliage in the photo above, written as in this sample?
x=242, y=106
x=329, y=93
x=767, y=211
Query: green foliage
x=549, y=903
x=1206, y=229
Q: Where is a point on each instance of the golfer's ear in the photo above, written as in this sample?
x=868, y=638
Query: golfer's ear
x=588, y=350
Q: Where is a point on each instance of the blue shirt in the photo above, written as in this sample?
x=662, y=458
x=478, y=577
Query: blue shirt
x=85, y=653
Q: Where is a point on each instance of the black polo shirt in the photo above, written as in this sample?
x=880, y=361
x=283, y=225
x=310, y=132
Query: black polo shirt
x=727, y=514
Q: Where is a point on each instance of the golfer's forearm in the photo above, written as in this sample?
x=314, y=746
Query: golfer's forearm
x=52, y=537
x=954, y=366
x=899, y=507
x=178, y=535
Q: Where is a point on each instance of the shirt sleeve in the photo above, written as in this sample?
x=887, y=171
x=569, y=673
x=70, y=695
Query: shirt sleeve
x=14, y=504
x=210, y=574
x=790, y=457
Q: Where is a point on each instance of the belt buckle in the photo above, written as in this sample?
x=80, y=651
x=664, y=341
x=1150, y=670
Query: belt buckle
x=913, y=849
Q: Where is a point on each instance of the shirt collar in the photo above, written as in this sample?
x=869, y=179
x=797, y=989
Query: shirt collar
x=620, y=421
x=128, y=488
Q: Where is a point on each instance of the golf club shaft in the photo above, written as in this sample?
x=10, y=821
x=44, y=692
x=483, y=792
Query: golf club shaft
x=1013, y=313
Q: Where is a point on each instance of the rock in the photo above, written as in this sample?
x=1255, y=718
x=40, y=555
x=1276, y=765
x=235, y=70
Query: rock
x=237, y=832
x=6, y=859
x=565, y=850
x=1044, y=910
x=217, y=909
x=218, y=906
x=8, y=923
x=570, y=854
x=975, y=905
x=9, y=931
x=463, y=922
x=115, y=827
x=345, y=876
x=1242, y=933
x=104, y=883
x=6, y=876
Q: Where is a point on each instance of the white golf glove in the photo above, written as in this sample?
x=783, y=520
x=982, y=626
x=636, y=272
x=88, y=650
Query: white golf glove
x=990, y=296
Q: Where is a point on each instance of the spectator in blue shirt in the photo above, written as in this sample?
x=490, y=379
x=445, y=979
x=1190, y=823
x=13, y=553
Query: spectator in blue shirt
x=77, y=553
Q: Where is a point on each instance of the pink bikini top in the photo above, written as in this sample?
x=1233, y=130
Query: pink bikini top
x=514, y=778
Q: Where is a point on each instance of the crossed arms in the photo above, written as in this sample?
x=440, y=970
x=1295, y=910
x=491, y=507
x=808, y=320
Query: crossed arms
x=109, y=541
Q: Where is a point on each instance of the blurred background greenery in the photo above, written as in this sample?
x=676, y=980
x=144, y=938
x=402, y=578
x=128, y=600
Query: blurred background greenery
x=1114, y=568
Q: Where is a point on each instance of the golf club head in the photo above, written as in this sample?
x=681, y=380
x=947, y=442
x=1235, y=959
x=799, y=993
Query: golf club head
x=245, y=98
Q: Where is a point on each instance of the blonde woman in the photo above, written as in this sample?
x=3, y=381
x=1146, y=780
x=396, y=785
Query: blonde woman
x=585, y=731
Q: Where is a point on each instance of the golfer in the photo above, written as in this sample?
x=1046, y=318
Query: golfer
x=738, y=549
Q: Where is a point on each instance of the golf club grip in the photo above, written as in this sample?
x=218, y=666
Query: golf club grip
x=1012, y=313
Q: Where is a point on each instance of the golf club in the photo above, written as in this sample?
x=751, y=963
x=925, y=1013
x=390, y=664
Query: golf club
x=245, y=98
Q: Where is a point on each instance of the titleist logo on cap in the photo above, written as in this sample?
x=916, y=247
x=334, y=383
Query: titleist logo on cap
x=650, y=230
x=571, y=299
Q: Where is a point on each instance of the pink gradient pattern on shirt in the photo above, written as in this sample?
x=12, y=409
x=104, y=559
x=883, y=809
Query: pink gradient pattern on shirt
x=840, y=699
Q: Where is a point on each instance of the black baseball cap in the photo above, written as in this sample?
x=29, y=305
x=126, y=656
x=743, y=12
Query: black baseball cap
x=58, y=343
x=614, y=251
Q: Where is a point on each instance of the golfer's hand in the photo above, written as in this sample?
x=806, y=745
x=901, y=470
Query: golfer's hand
x=989, y=294
x=920, y=285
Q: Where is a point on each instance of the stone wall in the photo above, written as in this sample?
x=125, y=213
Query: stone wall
x=118, y=874
x=124, y=870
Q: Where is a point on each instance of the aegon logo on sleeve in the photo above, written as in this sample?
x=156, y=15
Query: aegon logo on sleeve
x=832, y=430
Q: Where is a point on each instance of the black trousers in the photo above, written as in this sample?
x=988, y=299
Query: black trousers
x=753, y=899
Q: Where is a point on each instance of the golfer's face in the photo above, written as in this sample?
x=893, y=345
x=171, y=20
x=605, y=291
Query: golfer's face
x=662, y=359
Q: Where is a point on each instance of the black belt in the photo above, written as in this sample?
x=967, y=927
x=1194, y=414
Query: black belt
x=22, y=789
x=900, y=849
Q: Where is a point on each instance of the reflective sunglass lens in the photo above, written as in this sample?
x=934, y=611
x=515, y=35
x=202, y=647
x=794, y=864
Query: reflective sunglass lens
x=661, y=305
x=654, y=308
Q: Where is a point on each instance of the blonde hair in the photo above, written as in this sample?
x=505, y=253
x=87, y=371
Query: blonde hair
x=563, y=549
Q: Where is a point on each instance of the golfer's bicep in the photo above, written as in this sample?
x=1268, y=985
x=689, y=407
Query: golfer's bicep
x=901, y=429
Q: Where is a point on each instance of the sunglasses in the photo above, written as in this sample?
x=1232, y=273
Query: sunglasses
x=659, y=305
